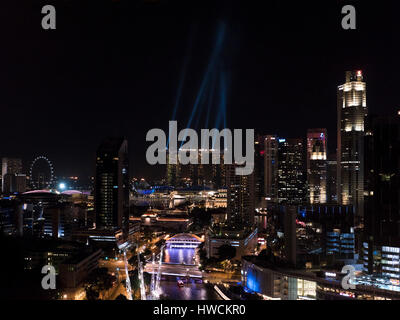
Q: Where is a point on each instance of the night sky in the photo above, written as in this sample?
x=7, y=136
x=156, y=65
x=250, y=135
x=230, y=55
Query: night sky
x=115, y=68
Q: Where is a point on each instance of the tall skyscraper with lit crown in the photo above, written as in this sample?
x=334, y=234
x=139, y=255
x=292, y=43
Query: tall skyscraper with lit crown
x=351, y=110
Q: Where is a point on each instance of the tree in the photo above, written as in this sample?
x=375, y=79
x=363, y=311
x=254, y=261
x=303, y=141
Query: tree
x=99, y=280
x=226, y=252
x=200, y=217
x=91, y=293
x=227, y=265
x=135, y=283
x=147, y=252
x=133, y=260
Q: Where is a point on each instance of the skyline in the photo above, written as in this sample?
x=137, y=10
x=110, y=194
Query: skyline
x=116, y=184
x=84, y=70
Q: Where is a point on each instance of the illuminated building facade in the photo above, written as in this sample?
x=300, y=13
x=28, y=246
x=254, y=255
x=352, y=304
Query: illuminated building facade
x=270, y=167
x=112, y=185
x=291, y=171
x=316, y=165
x=277, y=283
x=351, y=110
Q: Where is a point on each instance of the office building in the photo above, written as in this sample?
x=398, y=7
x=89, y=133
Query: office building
x=381, y=246
x=244, y=242
x=173, y=174
x=219, y=173
x=75, y=269
x=197, y=172
x=9, y=166
x=111, y=200
x=259, y=167
x=291, y=171
x=240, y=197
x=351, y=110
x=271, y=168
x=14, y=183
x=331, y=177
x=317, y=165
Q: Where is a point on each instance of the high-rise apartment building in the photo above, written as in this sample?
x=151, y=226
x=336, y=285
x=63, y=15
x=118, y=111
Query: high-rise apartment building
x=351, y=110
x=316, y=165
x=112, y=185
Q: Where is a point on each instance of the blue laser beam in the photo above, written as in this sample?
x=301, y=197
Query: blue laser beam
x=210, y=99
x=210, y=67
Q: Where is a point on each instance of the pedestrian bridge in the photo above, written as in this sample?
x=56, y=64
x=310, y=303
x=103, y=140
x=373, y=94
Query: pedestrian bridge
x=184, y=240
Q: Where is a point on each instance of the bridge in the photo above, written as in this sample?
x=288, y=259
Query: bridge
x=175, y=270
x=184, y=240
x=180, y=257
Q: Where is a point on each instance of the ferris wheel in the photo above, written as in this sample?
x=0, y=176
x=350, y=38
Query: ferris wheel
x=41, y=173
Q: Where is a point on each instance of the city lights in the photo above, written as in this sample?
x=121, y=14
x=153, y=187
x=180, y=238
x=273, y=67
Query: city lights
x=226, y=154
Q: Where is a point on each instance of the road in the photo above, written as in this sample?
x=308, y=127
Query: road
x=175, y=270
x=178, y=264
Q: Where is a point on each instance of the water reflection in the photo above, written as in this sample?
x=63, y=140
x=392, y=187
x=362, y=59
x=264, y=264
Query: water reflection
x=191, y=291
x=180, y=255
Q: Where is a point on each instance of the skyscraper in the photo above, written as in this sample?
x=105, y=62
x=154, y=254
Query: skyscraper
x=270, y=167
x=219, y=173
x=14, y=182
x=10, y=166
x=241, y=199
x=112, y=185
x=331, y=178
x=382, y=199
x=197, y=172
x=259, y=167
x=352, y=110
x=173, y=174
x=316, y=165
x=291, y=171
